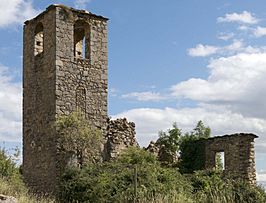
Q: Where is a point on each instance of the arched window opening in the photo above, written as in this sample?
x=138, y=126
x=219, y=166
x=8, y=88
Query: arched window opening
x=38, y=40
x=80, y=40
x=81, y=99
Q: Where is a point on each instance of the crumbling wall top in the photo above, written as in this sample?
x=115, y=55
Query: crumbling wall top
x=251, y=135
x=77, y=11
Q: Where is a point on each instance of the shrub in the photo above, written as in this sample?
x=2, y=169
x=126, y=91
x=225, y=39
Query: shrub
x=78, y=138
x=211, y=187
x=11, y=182
x=114, y=181
x=8, y=167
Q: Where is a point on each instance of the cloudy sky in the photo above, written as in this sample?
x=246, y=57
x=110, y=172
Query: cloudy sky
x=169, y=61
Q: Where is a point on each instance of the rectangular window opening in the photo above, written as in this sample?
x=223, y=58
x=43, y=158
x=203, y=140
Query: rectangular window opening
x=220, y=161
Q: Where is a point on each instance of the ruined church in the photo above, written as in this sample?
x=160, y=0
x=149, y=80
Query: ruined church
x=64, y=69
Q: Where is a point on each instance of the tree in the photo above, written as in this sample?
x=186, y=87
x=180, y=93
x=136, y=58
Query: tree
x=201, y=131
x=192, y=152
x=169, y=145
x=76, y=137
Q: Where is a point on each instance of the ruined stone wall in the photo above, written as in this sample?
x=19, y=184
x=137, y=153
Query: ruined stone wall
x=39, y=149
x=153, y=148
x=161, y=153
x=239, y=155
x=57, y=82
x=81, y=83
x=120, y=135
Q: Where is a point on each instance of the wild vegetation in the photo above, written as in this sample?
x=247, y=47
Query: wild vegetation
x=11, y=182
x=136, y=175
x=78, y=139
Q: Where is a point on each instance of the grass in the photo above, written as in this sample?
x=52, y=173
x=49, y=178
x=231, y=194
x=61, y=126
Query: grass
x=17, y=189
x=214, y=194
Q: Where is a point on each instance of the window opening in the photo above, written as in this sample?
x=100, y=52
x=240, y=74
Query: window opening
x=38, y=40
x=220, y=161
x=80, y=41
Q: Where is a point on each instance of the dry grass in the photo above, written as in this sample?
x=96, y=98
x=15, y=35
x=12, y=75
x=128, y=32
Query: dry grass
x=17, y=189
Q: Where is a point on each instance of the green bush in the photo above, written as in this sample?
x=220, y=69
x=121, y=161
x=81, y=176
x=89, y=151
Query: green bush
x=11, y=182
x=211, y=187
x=8, y=167
x=114, y=181
x=192, y=150
x=78, y=138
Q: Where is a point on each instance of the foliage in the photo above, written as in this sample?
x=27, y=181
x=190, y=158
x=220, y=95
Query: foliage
x=192, y=153
x=201, y=131
x=77, y=137
x=8, y=167
x=169, y=145
x=20, y=192
x=10, y=171
x=11, y=182
x=211, y=187
x=114, y=181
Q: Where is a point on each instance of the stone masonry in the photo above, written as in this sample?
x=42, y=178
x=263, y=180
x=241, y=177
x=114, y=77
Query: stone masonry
x=239, y=155
x=64, y=69
x=162, y=154
x=120, y=135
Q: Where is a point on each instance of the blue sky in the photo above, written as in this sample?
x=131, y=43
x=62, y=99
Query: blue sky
x=169, y=61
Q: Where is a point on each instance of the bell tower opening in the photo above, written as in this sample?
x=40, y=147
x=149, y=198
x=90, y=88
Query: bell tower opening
x=81, y=40
x=38, y=39
x=59, y=77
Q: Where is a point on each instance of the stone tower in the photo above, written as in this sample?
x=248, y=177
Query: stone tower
x=64, y=69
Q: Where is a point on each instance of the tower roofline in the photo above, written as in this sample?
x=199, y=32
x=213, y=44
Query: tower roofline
x=53, y=6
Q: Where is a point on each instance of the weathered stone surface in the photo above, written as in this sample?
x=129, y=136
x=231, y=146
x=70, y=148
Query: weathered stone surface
x=59, y=77
x=162, y=154
x=239, y=155
x=57, y=80
x=120, y=135
x=7, y=199
x=153, y=148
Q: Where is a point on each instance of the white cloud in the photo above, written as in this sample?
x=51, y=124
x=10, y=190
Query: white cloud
x=113, y=92
x=15, y=12
x=144, y=96
x=244, y=28
x=235, y=46
x=10, y=107
x=236, y=81
x=149, y=121
x=207, y=50
x=203, y=50
x=232, y=99
x=81, y=4
x=244, y=17
x=261, y=176
x=260, y=31
x=225, y=36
